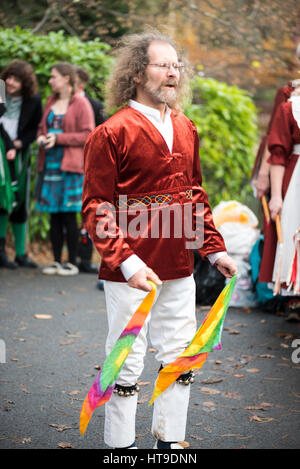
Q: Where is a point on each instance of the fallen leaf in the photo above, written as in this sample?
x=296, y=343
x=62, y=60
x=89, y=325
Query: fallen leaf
x=209, y=390
x=74, y=393
x=43, y=316
x=253, y=370
x=212, y=380
x=238, y=376
x=24, y=440
x=65, y=445
x=208, y=404
x=152, y=350
x=232, y=395
x=266, y=355
x=263, y=406
x=256, y=418
x=232, y=331
x=67, y=342
x=196, y=437
x=60, y=428
x=143, y=383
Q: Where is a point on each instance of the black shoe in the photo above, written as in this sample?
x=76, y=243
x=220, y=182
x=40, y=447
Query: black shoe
x=5, y=262
x=88, y=267
x=25, y=261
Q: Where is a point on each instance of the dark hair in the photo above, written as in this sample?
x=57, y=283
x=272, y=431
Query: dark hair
x=82, y=74
x=67, y=69
x=25, y=73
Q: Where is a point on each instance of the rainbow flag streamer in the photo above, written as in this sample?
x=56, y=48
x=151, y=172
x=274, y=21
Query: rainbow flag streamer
x=206, y=339
x=104, y=384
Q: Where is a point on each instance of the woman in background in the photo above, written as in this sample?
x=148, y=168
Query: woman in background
x=22, y=113
x=67, y=121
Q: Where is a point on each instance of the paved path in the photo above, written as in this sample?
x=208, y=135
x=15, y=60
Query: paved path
x=245, y=396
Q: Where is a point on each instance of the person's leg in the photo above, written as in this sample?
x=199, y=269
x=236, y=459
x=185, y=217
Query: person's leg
x=172, y=326
x=4, y=260
x=120, y=411
x=56, y=235
x=70, y=224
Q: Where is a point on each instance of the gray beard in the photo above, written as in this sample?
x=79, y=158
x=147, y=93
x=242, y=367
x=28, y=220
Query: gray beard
x=165, y=96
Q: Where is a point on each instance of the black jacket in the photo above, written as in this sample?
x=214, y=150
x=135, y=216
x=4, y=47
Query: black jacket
x=98, y=109
x=30, y=116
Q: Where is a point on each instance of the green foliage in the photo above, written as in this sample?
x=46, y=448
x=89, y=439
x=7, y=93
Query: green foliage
x=225, y=117
x=42, y=52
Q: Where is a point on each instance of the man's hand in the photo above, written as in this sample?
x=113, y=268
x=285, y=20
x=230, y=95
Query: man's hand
x=227, y=266
x=139, y=279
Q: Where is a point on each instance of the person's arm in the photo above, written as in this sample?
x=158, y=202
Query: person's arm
x=85, y=123
x=31, y=130
x=262, y=183
x=275, y=204
x=280, y=147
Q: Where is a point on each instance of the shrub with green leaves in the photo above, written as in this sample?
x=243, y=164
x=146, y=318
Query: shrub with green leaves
x=225, y=117
x=42, y=52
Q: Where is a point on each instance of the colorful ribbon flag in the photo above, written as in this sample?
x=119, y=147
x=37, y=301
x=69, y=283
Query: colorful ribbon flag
x=206, y=339
x=293, y=280
x=105, y=382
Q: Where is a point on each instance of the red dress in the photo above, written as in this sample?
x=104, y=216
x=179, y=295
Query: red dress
x=284, y=135
x=282, y=96
x=127, y=156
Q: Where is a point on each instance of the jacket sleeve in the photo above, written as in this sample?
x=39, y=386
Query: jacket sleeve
x=282, y=96
x=98, y=211
x=8, y=144
x=280, y=137
x=210, y=240
x=30, y=135
x=85, y=123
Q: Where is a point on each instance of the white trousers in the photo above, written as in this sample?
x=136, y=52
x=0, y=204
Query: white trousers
x=171, y=325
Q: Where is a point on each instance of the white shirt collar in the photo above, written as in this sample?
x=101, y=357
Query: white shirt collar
x=149, y=111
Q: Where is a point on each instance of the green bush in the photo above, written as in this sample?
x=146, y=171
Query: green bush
x=42, y=52
x=225, y=117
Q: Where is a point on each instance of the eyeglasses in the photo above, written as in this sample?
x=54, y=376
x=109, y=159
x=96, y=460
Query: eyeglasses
x=178, y=67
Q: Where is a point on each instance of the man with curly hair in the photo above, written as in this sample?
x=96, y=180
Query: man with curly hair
x=22, y=114
x=146, y=157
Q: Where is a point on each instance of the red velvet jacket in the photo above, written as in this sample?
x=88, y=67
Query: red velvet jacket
x=128, y=156
x=78, y=122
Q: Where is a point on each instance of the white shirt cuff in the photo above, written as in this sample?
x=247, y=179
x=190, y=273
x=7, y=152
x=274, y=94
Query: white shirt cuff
x=130, y=267
x=215, y=256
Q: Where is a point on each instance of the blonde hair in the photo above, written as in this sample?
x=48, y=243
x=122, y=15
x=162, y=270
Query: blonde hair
x=131, y=63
